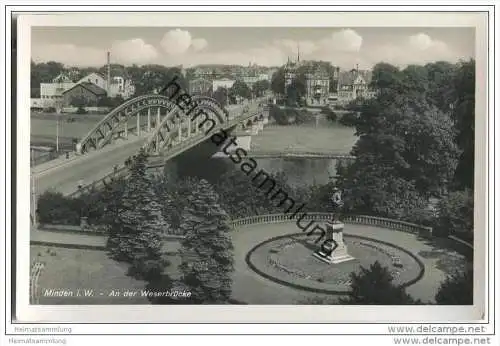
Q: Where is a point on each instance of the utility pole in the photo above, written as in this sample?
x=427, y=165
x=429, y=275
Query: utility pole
x=57, y=134
x=33, y=191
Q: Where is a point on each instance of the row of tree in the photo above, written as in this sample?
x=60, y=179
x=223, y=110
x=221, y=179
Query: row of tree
x=416, y=144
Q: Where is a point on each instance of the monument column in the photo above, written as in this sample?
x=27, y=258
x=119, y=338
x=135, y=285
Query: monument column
x=333, y=250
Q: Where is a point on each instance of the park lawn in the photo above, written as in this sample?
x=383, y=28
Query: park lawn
x=325, y=138
x=73, y=269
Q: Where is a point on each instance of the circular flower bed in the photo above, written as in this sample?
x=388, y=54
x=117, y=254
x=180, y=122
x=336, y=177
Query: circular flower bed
x=289, y=260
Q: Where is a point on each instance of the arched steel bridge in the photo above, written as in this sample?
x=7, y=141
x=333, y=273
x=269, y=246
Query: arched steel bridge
x=170, y=127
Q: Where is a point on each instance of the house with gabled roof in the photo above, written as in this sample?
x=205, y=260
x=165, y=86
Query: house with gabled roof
x=85, y=94
x=354, y=84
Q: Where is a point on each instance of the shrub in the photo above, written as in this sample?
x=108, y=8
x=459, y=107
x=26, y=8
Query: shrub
x=55, y=208
x=49, y=110
x=81, y=110
x=349, y=119
x=330, y=114
x=279, y=115
x=374, y=286
x=457, y=289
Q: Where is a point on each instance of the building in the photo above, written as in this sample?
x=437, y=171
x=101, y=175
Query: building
x=51, y=93
x=199, y=86
x=121, y=87
x=354, y=84
x=317, y=86
x=87, y=93
x=222, y=83
x=96, y=79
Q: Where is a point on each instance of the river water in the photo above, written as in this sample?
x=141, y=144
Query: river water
x=301, y=171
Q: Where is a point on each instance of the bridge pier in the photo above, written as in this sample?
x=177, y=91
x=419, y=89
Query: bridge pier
x=158, y=114
x=255, y=129
x=149, y=119
x=126, y=129
x=179, y=130
x=265, y=121
x=260, y=123
x=138, y=124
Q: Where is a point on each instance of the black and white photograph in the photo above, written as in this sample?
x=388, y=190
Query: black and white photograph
x=293, y=165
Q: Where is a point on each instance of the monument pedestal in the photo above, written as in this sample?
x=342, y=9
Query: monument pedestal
x=333, y=250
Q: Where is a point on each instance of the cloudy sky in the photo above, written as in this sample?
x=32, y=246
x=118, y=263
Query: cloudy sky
x=344, y=47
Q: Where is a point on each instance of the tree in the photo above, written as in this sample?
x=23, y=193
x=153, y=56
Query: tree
x=456, y=214
x=174, y=199
x=207, y=250
x=464, y=117
x=386, y=77
x=373, y=188
x=111, y=198
x=296, y=90
x=241, y=89
x=457, y=289
x=136, y=236
x=260, y=87
x=221, y=95
x=150, y=78
x=440, y=76
x=373, y=286
x=278, y=81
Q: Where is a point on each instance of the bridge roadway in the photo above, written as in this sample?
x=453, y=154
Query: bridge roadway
x=65, y=176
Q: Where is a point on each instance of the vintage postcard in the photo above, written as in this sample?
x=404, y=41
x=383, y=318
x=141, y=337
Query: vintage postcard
x=252, y=167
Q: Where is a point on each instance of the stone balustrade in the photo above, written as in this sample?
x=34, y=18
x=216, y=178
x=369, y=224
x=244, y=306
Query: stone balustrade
x=351, y=219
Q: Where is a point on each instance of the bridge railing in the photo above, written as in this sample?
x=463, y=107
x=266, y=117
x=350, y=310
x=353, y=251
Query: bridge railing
x=121, y=172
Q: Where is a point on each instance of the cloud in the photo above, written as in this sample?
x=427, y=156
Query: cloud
x=199, y=44
x=346, y=40
x=415, y=49
x=134, y=51
x=178, y=42
x=341, y=47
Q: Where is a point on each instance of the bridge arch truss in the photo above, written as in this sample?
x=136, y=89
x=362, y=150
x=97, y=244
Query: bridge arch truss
x=116, y=124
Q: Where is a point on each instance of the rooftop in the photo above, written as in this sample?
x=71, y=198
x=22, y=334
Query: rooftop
x=94, y=89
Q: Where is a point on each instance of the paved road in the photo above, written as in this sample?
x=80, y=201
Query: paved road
x=91, y=167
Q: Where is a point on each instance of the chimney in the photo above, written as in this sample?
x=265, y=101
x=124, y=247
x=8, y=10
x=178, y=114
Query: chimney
x=109, y=73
